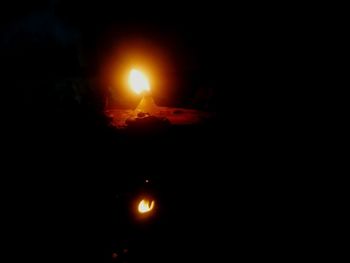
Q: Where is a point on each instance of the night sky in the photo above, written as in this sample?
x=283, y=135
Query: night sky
x=224, y=188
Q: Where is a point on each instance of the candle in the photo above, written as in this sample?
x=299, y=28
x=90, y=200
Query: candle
x=139, y=83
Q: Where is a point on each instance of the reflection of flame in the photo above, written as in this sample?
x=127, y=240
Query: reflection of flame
x=144, y=206
x=138, y=81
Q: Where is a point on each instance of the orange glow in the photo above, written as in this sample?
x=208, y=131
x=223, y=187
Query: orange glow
x=145, y=206
x=138, y=81
x=151, y=58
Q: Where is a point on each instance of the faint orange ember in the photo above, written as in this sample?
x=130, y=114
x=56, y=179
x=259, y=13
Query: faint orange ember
x=145, y=206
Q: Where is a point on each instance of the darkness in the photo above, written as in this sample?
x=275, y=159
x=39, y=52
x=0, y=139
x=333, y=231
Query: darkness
x=226, y=188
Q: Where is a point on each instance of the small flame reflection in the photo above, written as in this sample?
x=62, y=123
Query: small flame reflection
x=145, y=206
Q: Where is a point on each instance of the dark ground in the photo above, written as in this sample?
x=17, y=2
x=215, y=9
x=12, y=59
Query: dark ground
x=226, y=189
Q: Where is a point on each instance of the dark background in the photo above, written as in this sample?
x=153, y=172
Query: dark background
x=225, y=188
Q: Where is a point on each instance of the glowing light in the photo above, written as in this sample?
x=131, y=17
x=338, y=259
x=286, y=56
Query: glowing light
x=145, y=206
x=138, y=81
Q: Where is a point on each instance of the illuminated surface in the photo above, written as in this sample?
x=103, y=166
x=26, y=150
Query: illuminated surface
x=182, y=117
x=138, y=81
x=145, y=206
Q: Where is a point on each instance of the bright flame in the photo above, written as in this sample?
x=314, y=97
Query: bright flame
x=144, y=206
x=138, y=81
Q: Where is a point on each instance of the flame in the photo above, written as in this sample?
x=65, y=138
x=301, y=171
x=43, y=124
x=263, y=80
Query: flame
x=145, y=206
x=138, y=81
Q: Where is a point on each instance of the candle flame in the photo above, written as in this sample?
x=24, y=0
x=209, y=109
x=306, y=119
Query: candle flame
x=138, y=81
x=145, y=206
